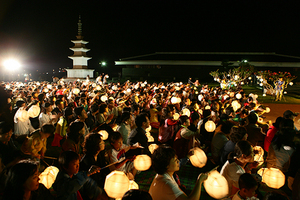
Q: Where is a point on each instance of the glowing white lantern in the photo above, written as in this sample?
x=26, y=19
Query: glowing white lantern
x=104, y=134
x=46, y=90
x=207, y=107
x=128, y=90
x=7, y=86
x=114, y=87
x=176, y=116
x=133, y=185
x=163, y=87
x=103, y=98
x=94, y=85
x=76, y=90
x=34, y=111
x=210, y=126
x=22, y=115
x=116, y=184
x=152, y=147
x=174, y=100
x=261, y=84
x=225, y=96
x=291, y=83
x=264, y=95
x=255, y=96
x=238, y=96
x=48, y=176
x=143, y=85
x=49, y=86
x=235, y=105
x=142, y=162
x=259, y=155
x=273, y=177
x=249, y=78
x=285, y=92
x=200, y=97
x=186, y=112
x=216, y=185
x=242, y=83
x=199, y=158
x=267, y=110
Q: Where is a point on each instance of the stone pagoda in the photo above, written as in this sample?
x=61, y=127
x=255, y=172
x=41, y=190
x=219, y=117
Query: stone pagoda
x=80, y=59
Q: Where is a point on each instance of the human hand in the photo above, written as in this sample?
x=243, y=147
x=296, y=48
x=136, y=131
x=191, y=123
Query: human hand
x=94, y=169
x=202, y=177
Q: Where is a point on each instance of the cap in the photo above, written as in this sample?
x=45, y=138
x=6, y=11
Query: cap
x=289, y=113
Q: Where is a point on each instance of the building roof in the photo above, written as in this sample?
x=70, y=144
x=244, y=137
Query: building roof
x=212, y=58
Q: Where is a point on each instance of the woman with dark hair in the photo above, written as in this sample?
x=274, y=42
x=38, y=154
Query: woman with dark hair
x=164, y=186
x=124, y=128
x=94, y=154
x=168, y=126
x=23, y=183
x=102, y=116
x=62, y=126
x=74, y=136
x=46, y=115
x=236, y=165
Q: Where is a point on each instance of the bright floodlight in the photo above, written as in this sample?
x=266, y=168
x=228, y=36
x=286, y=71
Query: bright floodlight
x=103, y=63
x=11, y=64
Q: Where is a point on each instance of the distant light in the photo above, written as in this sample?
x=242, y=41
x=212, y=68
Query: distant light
x=103, y=63
x=11, y=64
x=245, y=61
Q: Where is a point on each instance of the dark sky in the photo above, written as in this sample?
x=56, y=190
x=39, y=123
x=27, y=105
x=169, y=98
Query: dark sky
x=39, y=32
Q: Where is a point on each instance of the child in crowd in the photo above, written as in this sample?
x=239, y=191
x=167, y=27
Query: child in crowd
x=117, y=152
x=247, y=185
x=71, y=184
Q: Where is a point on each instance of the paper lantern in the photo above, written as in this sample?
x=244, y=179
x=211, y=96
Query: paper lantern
x=152, y=147
x=199, y=158
x=176, y=116
x=235, y=105
x=225, y=96
x=48, y=176
x=207, y=107
x=150, y=138
x=174, y=100
x=103, y=98
x=94, y=85
x=216, y=185
x=22, y=115
x=116, y=184
x=104, y=134
x=273, y=177
x=267, y=110
x=231, y=94
x=76, y=90
x=142, y=162
x=148, y=129
x=133, y=185
x=291, y=83
x=259, y=155
x=98, y=87
x=34, y=111
x=238, y=96
x=186, y=112
x=46, y=90
x=210, y=126
x=260, y=120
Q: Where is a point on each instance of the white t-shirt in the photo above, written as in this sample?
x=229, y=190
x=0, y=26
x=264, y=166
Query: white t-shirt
x=164, y=187
x=232, y=173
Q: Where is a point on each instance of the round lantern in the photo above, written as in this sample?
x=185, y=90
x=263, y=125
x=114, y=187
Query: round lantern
x=210, y=126
x=76, y=90
x=148, y=129
x=98, y=87
x=231, y=94
x=22, y=115
x=260, y=120
x=104, y=134
x=142, y=162
x=273, y=177
x=46, y=90
x=48, y=176
x=216, y=185
x=133, y=185
x=268, y=109
x=207, y=107
x=235, y=105
x=200, y=97
x=49, y=86
x=152, y=147
x=34, y=111
x=94, y=85
x=238, y=96
x=116, y=184
x=103, y=98
x=176, y=116
x=259, y=155
x=186, y=112
x=291, y=83
x=198, y=159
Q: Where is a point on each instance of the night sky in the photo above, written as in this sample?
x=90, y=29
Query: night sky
x=38, y=33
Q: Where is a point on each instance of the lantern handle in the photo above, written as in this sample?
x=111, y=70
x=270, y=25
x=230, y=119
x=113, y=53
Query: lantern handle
x=45, y=162
x=215, y=168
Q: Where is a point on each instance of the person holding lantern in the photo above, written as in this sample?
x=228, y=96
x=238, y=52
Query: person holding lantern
x=164, y=186
x=237, y=164
x=247, y=185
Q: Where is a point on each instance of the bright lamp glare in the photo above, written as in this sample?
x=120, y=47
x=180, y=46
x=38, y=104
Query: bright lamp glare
x=11, y=64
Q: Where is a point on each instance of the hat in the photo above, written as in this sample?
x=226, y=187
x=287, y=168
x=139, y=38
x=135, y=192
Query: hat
x=288, y=114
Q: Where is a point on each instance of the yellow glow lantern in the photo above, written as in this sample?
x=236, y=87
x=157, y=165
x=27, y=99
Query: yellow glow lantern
x=210, y=126
x=103, y=98
x=216, y=185
x=176, y=116
x=273, y=177
x=98, y=87
x=200, y=97
x=231, y=94
x=46, y=90
x=150, y=138
x=186, y=112
x=268, y=109
x=133, y=185
x=142, y=162
x=199, y=158
x=152, y=147
x=48, y=176
x=207, y=108
x=34, y=111
x=76, y=90
x=116, y=184
x=259, y=156
x=104, y=134
x=49, y=86
x=260, y=120
x=238, y=96
x=173, y=100
x=200, y=112
x=22, y=115
x=148, y=129
x=235, y=105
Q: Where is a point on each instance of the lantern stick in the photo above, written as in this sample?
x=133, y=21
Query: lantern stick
x=48, y=157
x=45, y=162
x=110, y=165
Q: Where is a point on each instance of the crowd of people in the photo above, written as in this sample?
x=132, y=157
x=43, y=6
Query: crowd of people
x=173, y=115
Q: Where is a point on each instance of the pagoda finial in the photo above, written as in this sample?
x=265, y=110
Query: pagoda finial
x=79, y=26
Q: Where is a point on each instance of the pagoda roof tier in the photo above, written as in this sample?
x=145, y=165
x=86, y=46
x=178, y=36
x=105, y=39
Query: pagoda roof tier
x=80, y=49
x=74, y=57
x=80, y=41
